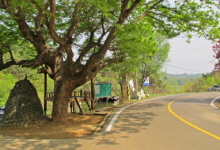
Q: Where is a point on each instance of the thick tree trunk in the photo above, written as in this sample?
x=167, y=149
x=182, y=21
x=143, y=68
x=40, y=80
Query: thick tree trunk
x=62, y=94
x=63, y=87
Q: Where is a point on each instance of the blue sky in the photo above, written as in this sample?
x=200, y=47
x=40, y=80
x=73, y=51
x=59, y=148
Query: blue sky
x=194, y=57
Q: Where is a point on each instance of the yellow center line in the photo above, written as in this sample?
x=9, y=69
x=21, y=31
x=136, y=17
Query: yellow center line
x=190, y=124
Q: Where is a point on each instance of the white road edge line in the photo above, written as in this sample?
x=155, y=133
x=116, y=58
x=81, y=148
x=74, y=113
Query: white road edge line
x=212, y=103
x=108, y=129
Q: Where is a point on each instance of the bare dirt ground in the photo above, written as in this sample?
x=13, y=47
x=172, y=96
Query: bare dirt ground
x=76, y=126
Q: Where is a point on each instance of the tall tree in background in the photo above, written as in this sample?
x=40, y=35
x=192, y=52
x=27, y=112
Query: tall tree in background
x=134, y=42
x=57, y=30
x=152, y=64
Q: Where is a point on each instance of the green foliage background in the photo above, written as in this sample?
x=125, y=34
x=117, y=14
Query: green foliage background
x=160, y=83
x=7, y=82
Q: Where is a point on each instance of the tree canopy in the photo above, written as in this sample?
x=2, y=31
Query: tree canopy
x=85, y=24
x=153, y=64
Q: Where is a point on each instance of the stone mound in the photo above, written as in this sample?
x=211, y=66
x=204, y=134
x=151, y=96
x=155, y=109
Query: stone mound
x=23, y=107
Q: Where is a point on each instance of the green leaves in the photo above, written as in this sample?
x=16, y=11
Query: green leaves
x=135, y=39
x=91, y=23
x=141, y=48
x=7, y=82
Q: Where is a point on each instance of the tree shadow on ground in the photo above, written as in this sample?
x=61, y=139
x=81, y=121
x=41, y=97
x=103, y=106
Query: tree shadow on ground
x=195, y=100
x=136, y=117
x=132, y=120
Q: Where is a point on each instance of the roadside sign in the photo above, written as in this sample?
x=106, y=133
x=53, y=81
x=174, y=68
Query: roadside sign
x=131, y=83
x=147, y=83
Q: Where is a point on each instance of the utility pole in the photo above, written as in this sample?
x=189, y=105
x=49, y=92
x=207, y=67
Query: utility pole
x=136, y=84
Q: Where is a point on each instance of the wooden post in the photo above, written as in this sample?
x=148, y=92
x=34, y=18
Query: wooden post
x=124, y=91
x=81, y=93
x=92, y=92
x=71, y=107
x=85, y=98
x=75, y=97
x=45, y=93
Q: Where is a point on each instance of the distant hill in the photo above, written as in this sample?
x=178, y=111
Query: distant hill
x=180, y=79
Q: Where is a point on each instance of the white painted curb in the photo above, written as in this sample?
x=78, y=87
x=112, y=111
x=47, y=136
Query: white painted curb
x=213, y=101
x=108, y=129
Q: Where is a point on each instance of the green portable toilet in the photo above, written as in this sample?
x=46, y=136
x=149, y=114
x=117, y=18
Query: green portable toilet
x=103, y=89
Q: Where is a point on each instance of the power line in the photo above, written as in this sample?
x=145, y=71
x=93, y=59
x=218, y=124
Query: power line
x=189, y=50
x=184, y=68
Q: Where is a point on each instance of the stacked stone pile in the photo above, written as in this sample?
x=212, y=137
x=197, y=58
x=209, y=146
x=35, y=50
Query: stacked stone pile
x=23, y=107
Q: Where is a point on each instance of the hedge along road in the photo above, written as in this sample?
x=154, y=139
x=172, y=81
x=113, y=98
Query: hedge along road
x=150, y=124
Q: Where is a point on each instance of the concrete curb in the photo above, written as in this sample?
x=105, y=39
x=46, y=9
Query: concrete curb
x=100, y=126
x=217, y=103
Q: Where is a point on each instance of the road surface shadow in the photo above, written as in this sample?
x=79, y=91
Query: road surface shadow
x=135, y=117
x=195, y=100
x=132, y=120
x=23, y=144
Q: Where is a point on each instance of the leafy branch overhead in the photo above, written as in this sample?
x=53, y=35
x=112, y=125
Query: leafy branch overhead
x=61, y=25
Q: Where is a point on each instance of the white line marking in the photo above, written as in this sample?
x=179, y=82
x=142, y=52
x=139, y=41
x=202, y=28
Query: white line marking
x=212, y=103
x=116, y=115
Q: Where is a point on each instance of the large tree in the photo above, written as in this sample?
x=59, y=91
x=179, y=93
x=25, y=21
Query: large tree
x=71, y=38
x=152, y=64
x=136, y=43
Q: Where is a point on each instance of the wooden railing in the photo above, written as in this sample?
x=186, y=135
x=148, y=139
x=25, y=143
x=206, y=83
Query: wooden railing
x=77, y=96
x=81, y=93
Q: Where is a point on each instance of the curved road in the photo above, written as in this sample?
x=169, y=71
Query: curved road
x=179, y=122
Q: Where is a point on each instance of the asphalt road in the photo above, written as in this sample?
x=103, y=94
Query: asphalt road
x=179, y=122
